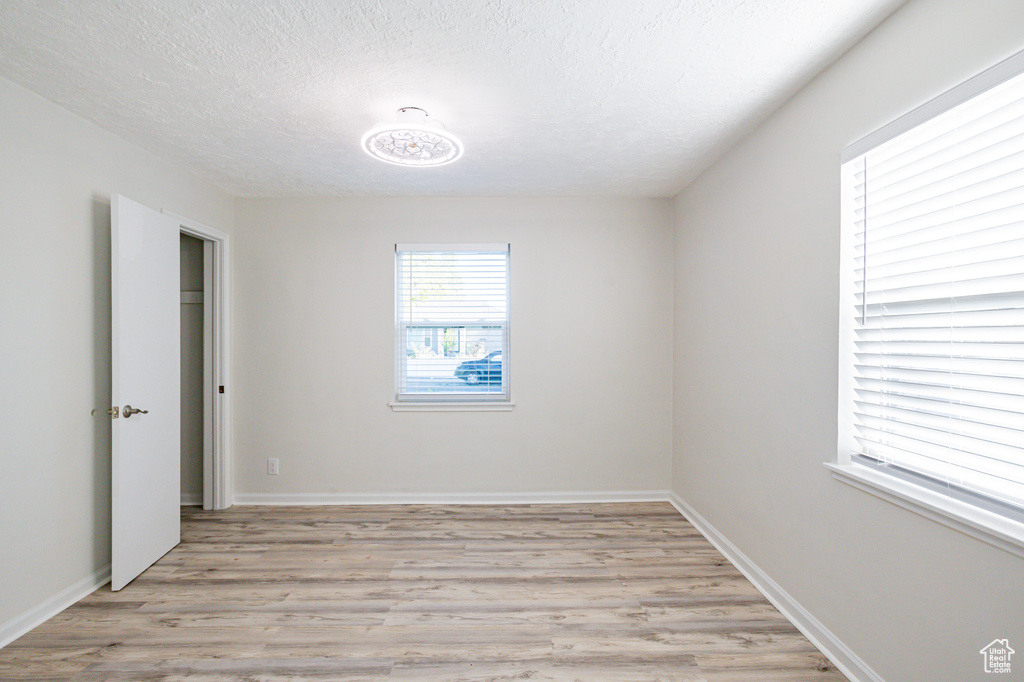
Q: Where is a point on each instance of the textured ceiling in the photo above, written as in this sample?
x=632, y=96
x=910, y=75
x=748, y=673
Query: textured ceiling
x=550, y=97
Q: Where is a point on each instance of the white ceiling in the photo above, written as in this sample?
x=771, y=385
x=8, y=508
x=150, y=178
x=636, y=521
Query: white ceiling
x=550, y=97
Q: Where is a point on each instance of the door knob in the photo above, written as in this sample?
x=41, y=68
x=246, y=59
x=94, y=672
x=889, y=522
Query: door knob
x=129, y=411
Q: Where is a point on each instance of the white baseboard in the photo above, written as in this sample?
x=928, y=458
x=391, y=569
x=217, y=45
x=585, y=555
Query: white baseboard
x=451, y=498
x=191, y=499
x=820, y=636
x=19, y=625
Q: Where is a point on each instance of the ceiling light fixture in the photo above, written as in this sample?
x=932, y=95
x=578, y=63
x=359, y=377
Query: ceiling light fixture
x=412, y=140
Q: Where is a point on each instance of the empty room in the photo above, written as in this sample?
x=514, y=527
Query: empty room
x=487, y=340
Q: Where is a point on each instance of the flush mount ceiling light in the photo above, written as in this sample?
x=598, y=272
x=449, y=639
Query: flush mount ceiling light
x=412, y=140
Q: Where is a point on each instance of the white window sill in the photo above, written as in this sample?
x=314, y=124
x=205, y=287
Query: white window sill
x=981, y=524
x=453, y=407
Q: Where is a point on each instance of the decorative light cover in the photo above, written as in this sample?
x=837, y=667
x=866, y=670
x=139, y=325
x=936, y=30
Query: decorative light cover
x=412, y=141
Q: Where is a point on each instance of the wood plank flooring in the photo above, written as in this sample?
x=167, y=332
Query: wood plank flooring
x=593, y=592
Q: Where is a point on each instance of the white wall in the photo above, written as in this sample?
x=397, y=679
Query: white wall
x=57, y=173
x=314, y=348
x=756, y=319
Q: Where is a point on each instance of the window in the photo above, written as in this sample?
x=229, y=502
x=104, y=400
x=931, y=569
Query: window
x=451, y=323
x=932, y=347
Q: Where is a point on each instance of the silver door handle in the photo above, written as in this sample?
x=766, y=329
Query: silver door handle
x=129, y=411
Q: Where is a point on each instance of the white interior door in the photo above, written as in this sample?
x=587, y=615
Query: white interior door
x=145, y=341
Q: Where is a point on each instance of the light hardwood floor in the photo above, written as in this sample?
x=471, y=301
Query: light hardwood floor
x=591, y=592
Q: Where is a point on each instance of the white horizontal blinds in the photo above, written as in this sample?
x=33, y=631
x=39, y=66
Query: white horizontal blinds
x=452, y=321
x=939, y=228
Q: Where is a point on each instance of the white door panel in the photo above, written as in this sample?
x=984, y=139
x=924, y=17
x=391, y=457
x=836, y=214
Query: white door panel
x=145, y=341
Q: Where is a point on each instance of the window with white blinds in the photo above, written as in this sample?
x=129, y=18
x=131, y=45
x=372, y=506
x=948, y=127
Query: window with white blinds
x=934, y=305
x=452, y=322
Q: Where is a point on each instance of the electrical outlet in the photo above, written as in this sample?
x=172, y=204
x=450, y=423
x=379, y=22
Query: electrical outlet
x=273, y=465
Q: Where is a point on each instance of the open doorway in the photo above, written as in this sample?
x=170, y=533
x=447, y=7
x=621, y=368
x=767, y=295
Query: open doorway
x=193, y=399
x=205, y=363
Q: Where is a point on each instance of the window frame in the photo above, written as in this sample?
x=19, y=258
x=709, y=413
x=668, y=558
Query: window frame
x=451, y=402
x=968, y=512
